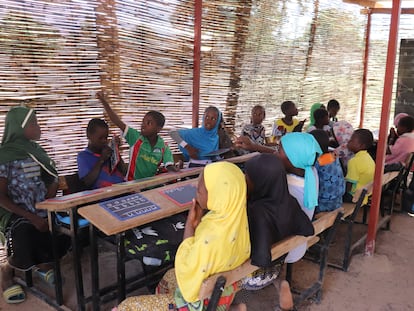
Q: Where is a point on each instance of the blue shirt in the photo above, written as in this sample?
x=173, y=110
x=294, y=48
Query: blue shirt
x=87, y=160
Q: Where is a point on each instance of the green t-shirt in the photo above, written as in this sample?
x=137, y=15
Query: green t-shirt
x=144, y=160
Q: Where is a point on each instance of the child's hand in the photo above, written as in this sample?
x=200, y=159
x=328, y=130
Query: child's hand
x=299, y=127
x=117, y=140
x=192, y=152
x=102, y=96
x=195, y=214
x=40, y=223
x=105, y=154
x=175, y=167
x=245, y=142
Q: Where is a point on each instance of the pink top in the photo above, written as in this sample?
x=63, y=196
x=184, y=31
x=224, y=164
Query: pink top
x=400, y=150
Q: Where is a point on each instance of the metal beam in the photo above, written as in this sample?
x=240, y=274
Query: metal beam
x=364, y=3
x=386, y=11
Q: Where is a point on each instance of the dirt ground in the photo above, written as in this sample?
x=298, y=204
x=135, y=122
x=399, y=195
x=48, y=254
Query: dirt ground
x=383, y=282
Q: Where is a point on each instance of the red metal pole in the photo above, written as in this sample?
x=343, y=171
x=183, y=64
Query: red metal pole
x=198, y=10
x=385, y=114
x=365, y=74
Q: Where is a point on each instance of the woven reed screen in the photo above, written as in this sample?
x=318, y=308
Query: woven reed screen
x=376, y=70
x=55, y=55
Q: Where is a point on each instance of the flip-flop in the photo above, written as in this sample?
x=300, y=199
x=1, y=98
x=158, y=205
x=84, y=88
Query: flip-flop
x=47, y=276
x=14, y=294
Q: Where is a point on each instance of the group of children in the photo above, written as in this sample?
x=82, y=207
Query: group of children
x=315, y=175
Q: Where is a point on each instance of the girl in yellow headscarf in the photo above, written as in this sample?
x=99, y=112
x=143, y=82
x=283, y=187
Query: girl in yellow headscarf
x=216, y=239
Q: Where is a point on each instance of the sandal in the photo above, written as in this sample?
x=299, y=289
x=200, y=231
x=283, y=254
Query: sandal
x=14, y=294
x=47, y=276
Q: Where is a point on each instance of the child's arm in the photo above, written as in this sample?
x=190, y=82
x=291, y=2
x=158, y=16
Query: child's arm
x=192, y=152
x=112, y=114
x=90, y=178
x=168, y=160
x=299, y=127
x=40, y=223
x=245, y=142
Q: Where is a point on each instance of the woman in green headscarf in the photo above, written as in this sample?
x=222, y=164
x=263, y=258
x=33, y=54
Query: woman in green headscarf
x=27, y=176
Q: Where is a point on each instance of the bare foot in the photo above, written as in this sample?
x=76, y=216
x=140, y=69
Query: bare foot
x=6, y=276
x=285, y=296
x=238, y=307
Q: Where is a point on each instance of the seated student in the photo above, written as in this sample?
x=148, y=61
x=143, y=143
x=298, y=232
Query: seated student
x=273, y=215
x=148, y=150
x=27, y=176
x=196, y=143
x=94, y=167
x=361, y=167
x=255, y=130
x=321, y=121
x=404, y=145
x=312, y=110
x=216, y=239
x=288, y=123
x=333, y=109
x=331, y=176
x=298, y=152
x=342, y=132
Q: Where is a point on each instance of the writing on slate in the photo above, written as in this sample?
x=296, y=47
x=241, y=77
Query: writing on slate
x=129, y=206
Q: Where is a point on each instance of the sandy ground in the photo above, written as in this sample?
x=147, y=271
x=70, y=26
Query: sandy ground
x=383, y=282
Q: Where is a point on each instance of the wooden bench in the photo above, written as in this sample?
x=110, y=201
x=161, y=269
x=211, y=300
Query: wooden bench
x=350, y=212
x=328, y=221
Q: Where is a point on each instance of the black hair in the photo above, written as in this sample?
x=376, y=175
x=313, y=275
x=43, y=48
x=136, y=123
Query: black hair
x=365, y=137
x=319, y=114
x=157, y=116
x=259, y=107
x=407, y=122
x=333, y=103
x=322, y=138
x=286, y=105
x=94, y=124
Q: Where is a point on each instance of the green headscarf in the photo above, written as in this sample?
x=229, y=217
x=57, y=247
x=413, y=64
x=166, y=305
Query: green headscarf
x=312, y=110
x=15, y=146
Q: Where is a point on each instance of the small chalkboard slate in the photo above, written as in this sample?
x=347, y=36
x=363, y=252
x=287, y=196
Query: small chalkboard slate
x=129, y=206
x=180, y=195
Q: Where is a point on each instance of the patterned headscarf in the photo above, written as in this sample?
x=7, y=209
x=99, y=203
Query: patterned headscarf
x=343, y=131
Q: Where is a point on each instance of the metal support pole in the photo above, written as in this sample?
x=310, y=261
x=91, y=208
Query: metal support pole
x=365, y=74
x=385, y=113
x=198, y=10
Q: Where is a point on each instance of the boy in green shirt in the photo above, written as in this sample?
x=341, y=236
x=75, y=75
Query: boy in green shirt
x=147, y=149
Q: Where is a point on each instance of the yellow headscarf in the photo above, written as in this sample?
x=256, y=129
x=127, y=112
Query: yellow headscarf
x=221, y=241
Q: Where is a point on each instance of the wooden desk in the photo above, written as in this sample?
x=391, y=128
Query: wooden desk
x=103, y=220
x=108, y=224
x=69, y=201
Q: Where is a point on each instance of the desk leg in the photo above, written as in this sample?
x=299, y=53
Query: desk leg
x=94, y=267
x=58, y=273
x=77, y=259
x=120, y=238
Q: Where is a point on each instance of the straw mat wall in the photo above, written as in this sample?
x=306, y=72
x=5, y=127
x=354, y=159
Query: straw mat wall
x=55, y=55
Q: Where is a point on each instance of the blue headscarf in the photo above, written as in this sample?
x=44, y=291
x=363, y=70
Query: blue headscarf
x=202, y=139
x=302, y=150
